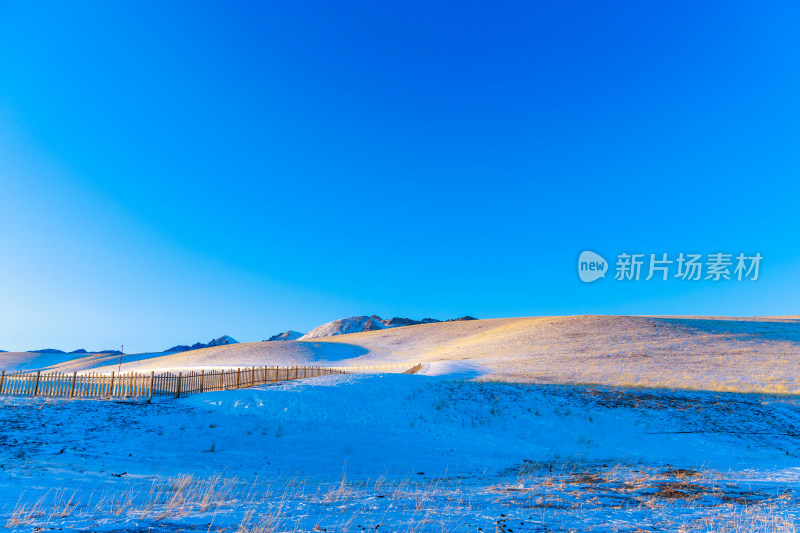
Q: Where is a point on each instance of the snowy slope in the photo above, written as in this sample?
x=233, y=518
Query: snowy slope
x=343, y=326
x=710, y=353
x=285, y=353
x=10, y=361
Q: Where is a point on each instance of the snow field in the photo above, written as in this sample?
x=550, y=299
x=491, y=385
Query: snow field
x=405, y=453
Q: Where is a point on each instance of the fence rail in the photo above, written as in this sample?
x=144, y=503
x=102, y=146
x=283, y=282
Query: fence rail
x=414, y=369
x=139, y=385
x=375, y=368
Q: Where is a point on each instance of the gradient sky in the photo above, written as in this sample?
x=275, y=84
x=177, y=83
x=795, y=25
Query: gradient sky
x=173, y=172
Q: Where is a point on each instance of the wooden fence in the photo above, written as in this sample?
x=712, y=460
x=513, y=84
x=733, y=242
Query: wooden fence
x=138, y=385
x=414, y=369
x=402, y=367
x=147, y=385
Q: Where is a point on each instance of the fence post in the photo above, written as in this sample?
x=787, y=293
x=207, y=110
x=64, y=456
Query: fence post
x=180, y=374
x=2, y=379
x=72, y=387
x=238, y=377
x=111, y=386
x=152, y=384
x=36, y=386
x=202, y=380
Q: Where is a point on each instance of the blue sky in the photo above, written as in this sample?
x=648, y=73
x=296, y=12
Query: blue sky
x=171, y=173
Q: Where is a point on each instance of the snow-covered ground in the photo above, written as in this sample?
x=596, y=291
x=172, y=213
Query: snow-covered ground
x=391, y=452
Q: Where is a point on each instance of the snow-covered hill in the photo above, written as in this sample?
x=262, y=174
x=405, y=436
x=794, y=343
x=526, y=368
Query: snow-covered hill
x=353, y=324
x=711, y=353
x=290, y=335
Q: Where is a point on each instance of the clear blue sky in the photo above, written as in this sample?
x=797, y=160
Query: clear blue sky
x=173, y=172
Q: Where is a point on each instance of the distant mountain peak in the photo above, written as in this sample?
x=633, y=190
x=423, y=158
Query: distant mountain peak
x=343, y=326
x=396, y=322
x=357, y=324
x=79, y=351
x=290, y=335
x=222, y=341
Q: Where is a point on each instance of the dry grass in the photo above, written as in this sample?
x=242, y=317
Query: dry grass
x=542, y=496
x=54, y=504
x=562, y=492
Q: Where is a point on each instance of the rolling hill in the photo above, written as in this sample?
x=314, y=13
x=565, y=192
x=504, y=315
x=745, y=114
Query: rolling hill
x=712, y=353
